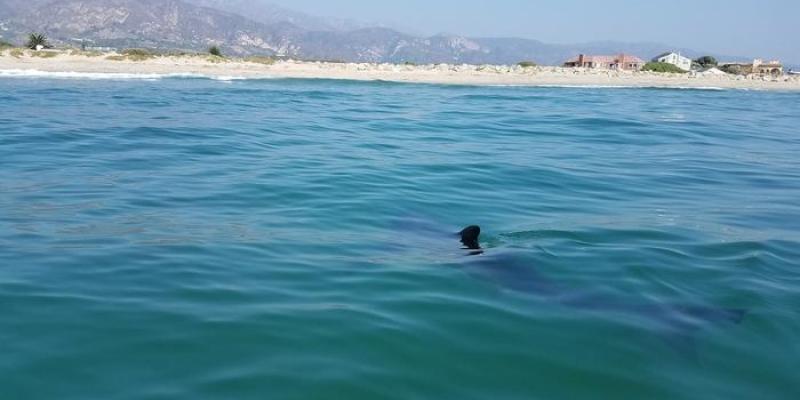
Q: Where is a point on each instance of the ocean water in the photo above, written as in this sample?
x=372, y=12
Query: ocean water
x=185, y=238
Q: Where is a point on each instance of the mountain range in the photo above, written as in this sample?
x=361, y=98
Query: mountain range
x=247, y=27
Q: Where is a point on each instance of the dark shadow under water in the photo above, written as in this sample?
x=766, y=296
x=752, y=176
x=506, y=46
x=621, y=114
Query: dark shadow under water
x=676, y=324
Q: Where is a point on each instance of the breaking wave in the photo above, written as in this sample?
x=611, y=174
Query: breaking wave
x=32, y=73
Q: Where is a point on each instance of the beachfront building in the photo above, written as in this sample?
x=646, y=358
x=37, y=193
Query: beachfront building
x=676, y=59
x=757, y=67
x=619, y=62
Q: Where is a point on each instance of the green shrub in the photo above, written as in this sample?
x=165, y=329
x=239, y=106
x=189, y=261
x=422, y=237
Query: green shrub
x=260, y=60
x=734, y=69
x=324, y=60
x=85, y=53
x=44, y=54
x=662, y=67
x=35, y=40
x=137, y=54
x=17, y=53
x=215, y=51
x=706, y=62
x=5, y=46
x=527, y=64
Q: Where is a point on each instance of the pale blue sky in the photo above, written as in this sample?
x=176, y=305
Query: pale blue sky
x=766, y=28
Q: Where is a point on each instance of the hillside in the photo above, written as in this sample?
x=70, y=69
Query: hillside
x=197, y=24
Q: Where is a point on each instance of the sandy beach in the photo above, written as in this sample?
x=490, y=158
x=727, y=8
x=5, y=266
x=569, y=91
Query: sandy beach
x=71, y=63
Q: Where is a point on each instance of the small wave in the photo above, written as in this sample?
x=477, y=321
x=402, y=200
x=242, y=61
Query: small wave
x=715, y=88
x=32, y=73
x=591, y=86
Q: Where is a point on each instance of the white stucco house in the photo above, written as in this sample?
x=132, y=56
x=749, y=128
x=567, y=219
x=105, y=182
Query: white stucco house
x=675, y=59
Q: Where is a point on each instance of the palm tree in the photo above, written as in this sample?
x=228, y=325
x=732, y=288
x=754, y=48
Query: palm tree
x=35, y=40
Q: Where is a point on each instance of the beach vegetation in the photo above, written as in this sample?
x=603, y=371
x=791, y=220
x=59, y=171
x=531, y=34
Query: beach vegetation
x=662, y=67
x=527, y=64
x=177, y=53
x=706, y=62
x=215, y=51
x=734, y=69
x=410, y=63
x=260, y=60
x=116, y=58
x=35, y=40
x=85, y=53
x=137, y=54
x=44, y=54
x=17, y=52
x=5, y=45
x=324, y=60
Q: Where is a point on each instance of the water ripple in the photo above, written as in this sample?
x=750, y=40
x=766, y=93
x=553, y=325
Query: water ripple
x=190, y=238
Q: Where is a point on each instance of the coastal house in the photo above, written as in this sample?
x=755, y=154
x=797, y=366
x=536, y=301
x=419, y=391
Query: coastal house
x=758, y=67
x=619, y=62
x=676, y=59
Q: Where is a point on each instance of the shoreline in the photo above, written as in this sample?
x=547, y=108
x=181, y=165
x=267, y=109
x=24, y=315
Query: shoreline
x=73, y=64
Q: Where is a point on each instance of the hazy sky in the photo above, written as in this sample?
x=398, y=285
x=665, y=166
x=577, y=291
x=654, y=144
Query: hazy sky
x=766, y=28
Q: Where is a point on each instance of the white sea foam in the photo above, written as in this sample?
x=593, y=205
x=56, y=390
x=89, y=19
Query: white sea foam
x=695, y=87
x=230, y=78
x=589, y=86
x=32, y=73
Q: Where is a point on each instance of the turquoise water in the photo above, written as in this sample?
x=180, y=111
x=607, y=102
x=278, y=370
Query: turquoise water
x=292, y=239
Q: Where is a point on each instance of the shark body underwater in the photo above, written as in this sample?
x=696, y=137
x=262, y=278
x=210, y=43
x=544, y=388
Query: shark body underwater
x=676, y=324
